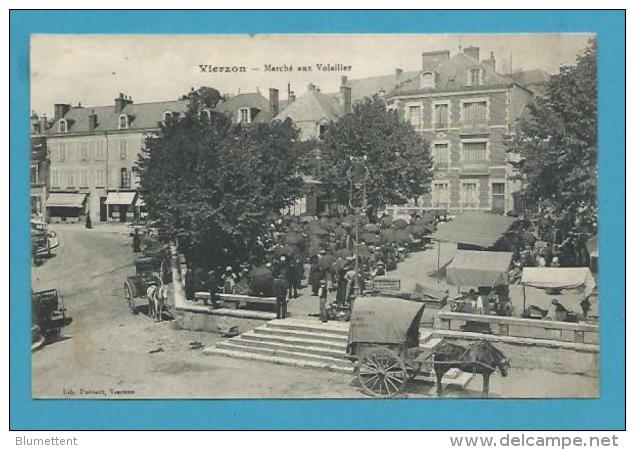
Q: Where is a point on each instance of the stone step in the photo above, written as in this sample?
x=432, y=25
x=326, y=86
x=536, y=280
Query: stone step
x=299, y=334
x=314, y=327
x=237, y=345
x=308, y=350
x=295, y=341
x=279, y=360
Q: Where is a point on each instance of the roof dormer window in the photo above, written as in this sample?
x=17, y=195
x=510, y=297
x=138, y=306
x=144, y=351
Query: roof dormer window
x=475, y=76
x=167, y=115
x=244, y=115
x=62, y=126
x=427, y=80
x=205, y=114
x=123, y=122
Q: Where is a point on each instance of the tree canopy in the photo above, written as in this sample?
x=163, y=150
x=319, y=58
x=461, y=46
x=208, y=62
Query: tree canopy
x=557, y=141
x=398, y=159
x=216, y=183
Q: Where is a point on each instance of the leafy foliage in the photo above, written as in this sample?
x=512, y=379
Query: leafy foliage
x=398, y=160
x=216, y=183
x=558, y=145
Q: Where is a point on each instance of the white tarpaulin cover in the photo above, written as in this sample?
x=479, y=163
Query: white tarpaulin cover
x=559, y=278
x=472, y=268
x=120, y=198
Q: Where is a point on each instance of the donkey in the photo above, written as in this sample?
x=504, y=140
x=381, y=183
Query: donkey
x=157, y=298
x=480, y=357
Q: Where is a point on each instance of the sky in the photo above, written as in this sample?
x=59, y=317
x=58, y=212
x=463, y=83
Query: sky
x=93, y=69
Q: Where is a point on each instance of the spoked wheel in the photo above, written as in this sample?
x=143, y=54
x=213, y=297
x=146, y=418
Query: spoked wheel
x=127, y=295
x=381, y=373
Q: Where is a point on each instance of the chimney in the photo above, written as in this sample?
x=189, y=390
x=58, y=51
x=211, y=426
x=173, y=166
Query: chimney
x=274, y=102
x=121, y=102
x=491, y=61
x=472, y=52
x=60, y=110
x=430, y=60
x=345, y=99
x=43, y=124
x=344, y=80
x=194, y=100
x=311, y=87
x=291, y=97
x=92, y=121
x=398, y=75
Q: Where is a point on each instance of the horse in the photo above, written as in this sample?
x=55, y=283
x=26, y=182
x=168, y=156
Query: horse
x=480, y=357
x=157, y=298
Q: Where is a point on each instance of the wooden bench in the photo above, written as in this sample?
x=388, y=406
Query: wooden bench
x=241, y=301
x=579, y=330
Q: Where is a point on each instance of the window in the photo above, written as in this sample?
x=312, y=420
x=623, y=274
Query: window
x=427, y=80
x=441, y=155
x=123, y=121
x=244, y=115
x=414, y=116
x=205, y=115
x=474, y=152
x=475, y=112
x=100, y=154
x=83, y=151
x=440, y=193
x=441, y=115
x=167, y=115
x=475, y=77
x=62, y=126
x=62, y=151
x=322, y=130
x=83, y=178
x=123, y=149
x=498, y=197
x=125, y=178
x=55, y=178
x=34, y=174
x=469, y=194
x=100, y=176
x=70, y=178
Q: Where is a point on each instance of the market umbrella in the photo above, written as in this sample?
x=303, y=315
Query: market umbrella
x=343, y=252
x=323, y=214
x=371, y=227
x=363, y=251
x=307, y=219
x=388, y=236
x=399, y=224
x=386, y=221
x=317, y=231
x=293, y=238
x=287, y=250
x=326, y=261
x=370, y=238
x=402, y=236
x=339, y=231
x=314, y=248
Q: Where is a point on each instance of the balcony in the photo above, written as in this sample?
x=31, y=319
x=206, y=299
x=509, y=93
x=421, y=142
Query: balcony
x=477, y=128
x=475, y=168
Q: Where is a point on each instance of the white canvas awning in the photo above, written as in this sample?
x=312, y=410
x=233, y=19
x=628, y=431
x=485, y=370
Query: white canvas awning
x=65, y=200
x=121, y=198
x=559, y=278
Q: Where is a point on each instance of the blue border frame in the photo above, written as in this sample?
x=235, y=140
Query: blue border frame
x=607, y=412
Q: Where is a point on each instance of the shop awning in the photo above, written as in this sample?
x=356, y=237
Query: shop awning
x=121, y=198
x=475, y=228
x=479, y=268
x=65, y=200
x=559, y=278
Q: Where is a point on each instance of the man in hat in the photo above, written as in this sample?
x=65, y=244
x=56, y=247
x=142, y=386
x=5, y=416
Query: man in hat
x=323, y=296
x=280, y=291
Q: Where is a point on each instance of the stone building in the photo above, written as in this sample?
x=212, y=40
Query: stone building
x=92, y=153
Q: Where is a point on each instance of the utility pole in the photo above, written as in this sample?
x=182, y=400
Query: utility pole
x=360, y=162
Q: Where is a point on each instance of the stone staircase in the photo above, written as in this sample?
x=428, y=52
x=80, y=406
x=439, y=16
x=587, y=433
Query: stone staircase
x=314, y=345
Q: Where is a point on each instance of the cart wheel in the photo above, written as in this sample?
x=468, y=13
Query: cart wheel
x=381, y=373
x=127, y=295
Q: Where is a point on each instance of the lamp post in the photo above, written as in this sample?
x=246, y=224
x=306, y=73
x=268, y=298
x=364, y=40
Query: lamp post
x=359, y=162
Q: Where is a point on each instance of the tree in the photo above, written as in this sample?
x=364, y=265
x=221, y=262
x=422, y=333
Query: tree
x=216, y=183
x=558, y=145
x=208, y=97
x=398, y=159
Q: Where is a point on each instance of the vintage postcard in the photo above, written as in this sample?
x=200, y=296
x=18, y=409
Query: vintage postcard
x=314, y=216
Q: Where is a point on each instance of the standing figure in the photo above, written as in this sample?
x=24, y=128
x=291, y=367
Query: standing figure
x=323, y=296
x=585, y=304
x=136, y=241
x=229, y=280
x=340, y=296
x=280, y=291
x=315, y=276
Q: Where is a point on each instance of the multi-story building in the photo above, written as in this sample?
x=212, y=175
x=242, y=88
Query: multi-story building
x=464, y=109
x=39, y=166
x=92, y=153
